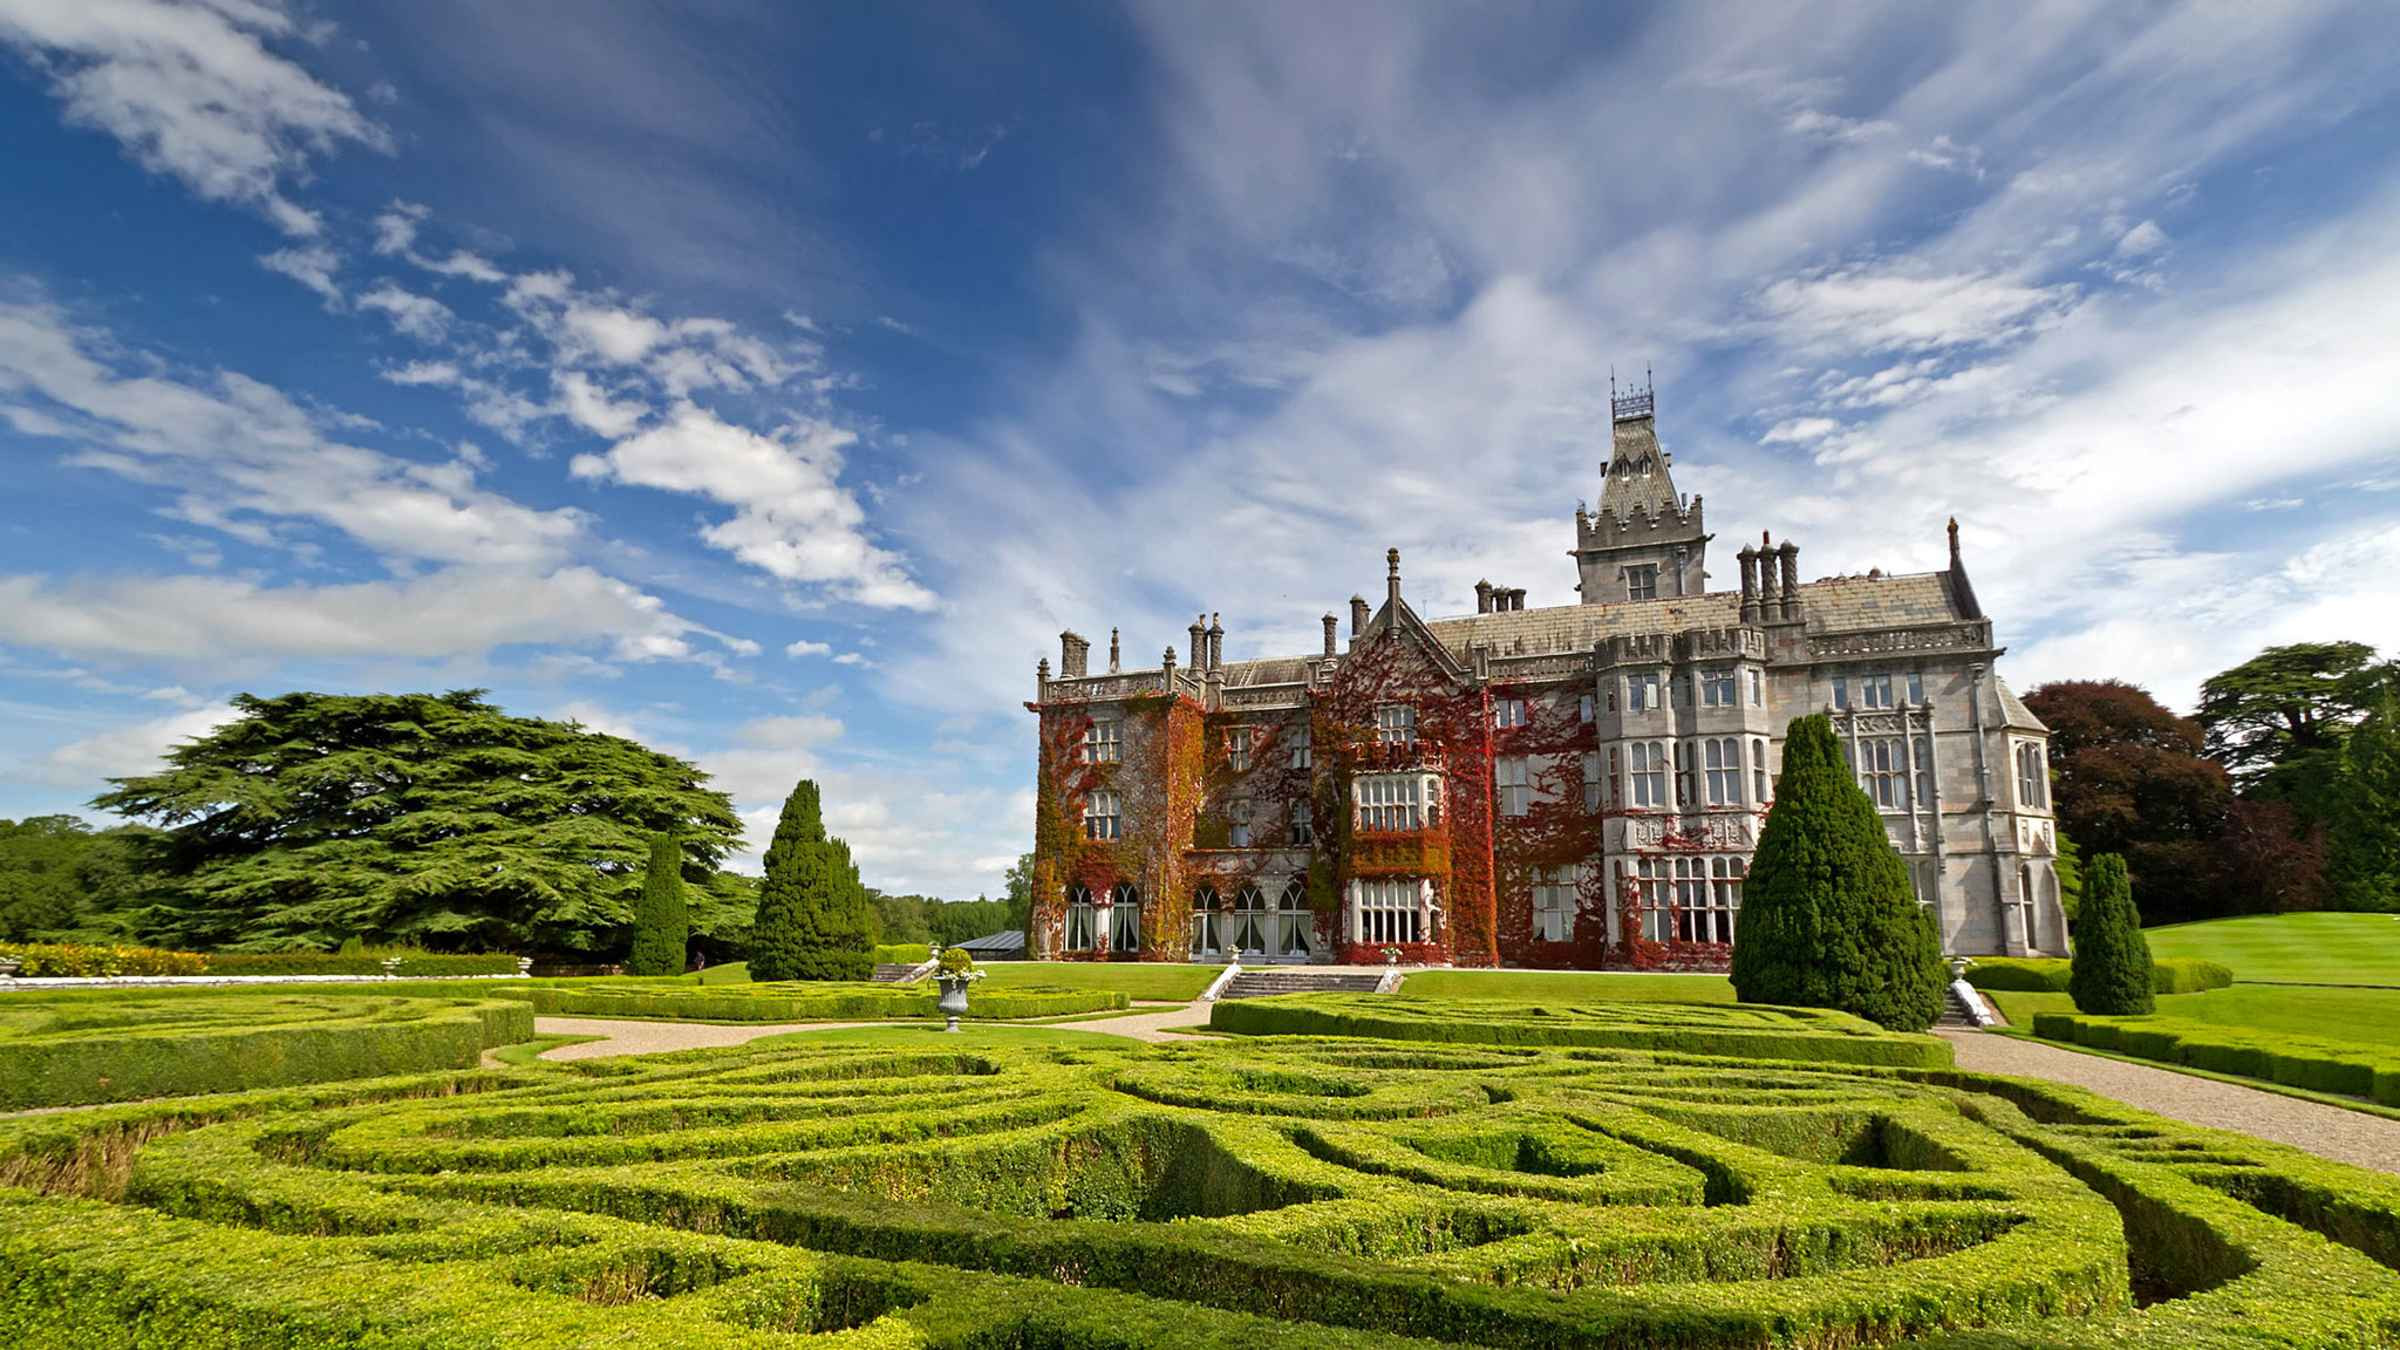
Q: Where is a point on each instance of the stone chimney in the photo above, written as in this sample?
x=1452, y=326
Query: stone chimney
x=1216, y=643
x=1791, y=580
x=1198, y=660
x=1330, y=624
x=1391, y=578
x=1766, y=576
x=1516, y=598
x=1073, y=651
x=1115, y=666
x=1749, y=557
x=1483, y=597
x=1358, y=615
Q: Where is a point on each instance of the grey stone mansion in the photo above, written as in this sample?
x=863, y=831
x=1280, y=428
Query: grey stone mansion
x=1570, y=785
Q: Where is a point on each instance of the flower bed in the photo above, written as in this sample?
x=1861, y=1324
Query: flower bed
x=58, y=1050
x=2345, y=1067
x=1287, y=1192
x=1749, y=1030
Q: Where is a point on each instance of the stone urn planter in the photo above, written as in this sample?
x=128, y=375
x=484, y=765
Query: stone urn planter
x=953, y=1001
x=1959, y=965
x=9, y=966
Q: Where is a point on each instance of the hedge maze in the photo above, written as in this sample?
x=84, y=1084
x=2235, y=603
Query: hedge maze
x=1746, y=1030
x=1256, y=1192
x=113, y=1045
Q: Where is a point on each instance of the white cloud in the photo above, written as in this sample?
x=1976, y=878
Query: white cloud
x=222, y=622
x=460, y=263
x=804, y=647
x=2142, y=240
x=419, y=316
x=192, y=90
x=396, y=227
x=792, y=517
x=311, y=265
x=1817, y=124
x=1878, y=308
x=241, y=450
x=422, y=372
x=591, y=408
x=1801, y=430
x=126, y=750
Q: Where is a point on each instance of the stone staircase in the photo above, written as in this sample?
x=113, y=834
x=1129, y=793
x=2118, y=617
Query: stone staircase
x=891, y=973
x=1260, y=981
x=1954, y=1011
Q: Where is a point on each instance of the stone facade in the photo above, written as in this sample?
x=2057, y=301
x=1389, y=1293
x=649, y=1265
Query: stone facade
x=1576, y=785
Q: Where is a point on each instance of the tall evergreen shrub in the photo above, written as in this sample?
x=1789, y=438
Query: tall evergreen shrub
x=2363, y=831
x=662, y=925
x=812, y=911
x=1829, y=919
x=2111, y=972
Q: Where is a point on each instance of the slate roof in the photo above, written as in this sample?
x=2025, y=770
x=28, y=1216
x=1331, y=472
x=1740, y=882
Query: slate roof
x=1833, y=605
x=2013, y=712
x=1638, y=477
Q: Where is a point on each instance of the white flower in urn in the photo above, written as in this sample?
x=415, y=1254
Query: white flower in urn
x=957, y=965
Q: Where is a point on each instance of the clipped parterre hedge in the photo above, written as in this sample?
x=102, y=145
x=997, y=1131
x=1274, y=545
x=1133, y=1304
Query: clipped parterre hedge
x=902, y=953
x=2047, y=974
x=1750, y=1031
x=1260, y=1193
x=796, y=1001
x=61, y=1050
x=2345, y=1067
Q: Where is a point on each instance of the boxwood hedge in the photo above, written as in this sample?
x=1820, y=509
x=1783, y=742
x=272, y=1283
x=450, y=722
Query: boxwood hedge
x=799, y=1001
x=2048, y=974
x=1757, y=1031
x=1256, y=1193
x=2345, y=1067
x=62, y=1050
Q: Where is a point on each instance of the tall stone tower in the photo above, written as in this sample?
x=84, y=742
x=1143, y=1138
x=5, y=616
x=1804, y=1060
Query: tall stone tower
x=1645, y=542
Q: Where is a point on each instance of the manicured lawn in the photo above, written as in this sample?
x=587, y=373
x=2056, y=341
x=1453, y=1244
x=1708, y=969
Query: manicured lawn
x=1136, y=979
x=1569, y=986
x=2370, y=1016
x=2359, y=949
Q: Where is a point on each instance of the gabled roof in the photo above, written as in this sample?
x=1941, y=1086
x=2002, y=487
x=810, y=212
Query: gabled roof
x=2013, y=712
x=1637, y=472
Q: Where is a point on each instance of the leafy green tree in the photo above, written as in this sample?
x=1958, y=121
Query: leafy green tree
x=1020, y=891
x=2277, y=721
x=2128, y=778
x=1829, y=919
x=63, y=881
x=661, y=925
x=435, y=820
x=2110, y=975
x=812, y=910
x=722, y=909
x=2363, y=837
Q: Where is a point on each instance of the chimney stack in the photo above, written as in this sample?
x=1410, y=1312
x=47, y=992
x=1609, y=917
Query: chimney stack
x=1516, y=598
x=1791, y=580
x=1358, y=615
x=1198, y=660
x=1483, y=597
x=1073, y=650
x=1391, y=578
x=1766, y=576
x=1749, y=557
x=1330, y=623
x=1216, y=643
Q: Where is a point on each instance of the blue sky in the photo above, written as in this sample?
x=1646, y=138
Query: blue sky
x=774, y=382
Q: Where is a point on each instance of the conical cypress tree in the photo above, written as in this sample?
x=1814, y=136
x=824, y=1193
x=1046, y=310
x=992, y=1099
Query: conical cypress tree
x=2111, y=973
x=1829, y=919
x=807, y=927
x=662, y=926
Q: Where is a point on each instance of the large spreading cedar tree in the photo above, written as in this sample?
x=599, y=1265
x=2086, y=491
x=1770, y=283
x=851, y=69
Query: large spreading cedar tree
x=1829, y=919
x=432, y=819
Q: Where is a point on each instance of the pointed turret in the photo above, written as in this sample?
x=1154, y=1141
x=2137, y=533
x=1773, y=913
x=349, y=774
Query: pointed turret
x=1646, y=541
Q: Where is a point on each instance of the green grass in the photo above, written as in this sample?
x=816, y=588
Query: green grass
x=1134, y=979
x=1569, y=986
x=2369, y=1016
x=2359, y=949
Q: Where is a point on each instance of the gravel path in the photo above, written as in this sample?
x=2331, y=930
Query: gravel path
x=2353, y=1137
x=622, y=1037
